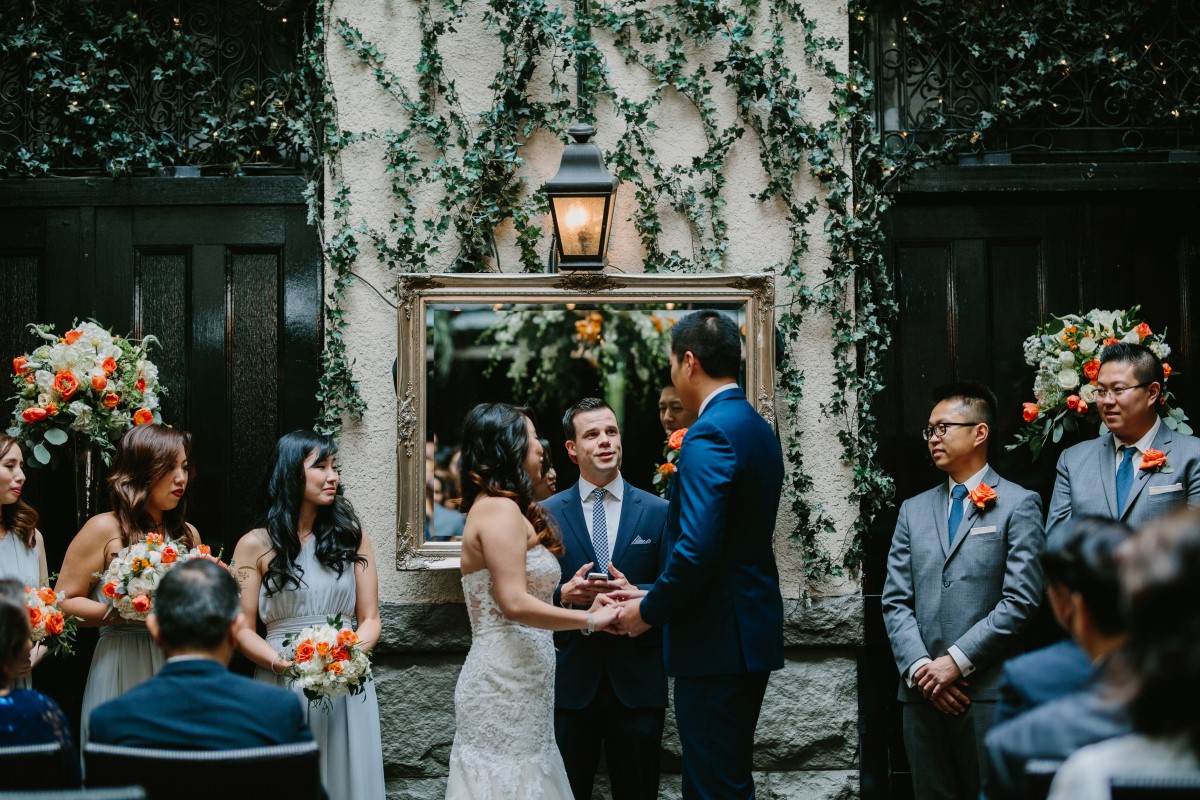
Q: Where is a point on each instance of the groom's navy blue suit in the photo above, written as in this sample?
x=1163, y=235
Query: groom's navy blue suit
x=619, y=681
x=718, y=598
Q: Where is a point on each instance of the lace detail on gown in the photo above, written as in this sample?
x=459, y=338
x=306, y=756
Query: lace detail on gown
x=504, y=744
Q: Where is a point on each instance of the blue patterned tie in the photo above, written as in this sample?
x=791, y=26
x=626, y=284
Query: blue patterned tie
x=957, y=495
x=1124, y=478
x=600, y=530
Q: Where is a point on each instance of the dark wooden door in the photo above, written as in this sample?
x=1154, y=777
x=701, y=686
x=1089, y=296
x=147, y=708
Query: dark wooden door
x=975, y=274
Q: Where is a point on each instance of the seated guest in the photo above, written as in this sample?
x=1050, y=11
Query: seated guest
x=1084, y=593
x=1159, y=667
x=195, y=702
x=26, y=716
x=1046, y=674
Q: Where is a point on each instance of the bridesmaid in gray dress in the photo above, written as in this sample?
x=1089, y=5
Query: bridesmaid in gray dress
x=150, y=475
x=308, y=560
x=22, y=552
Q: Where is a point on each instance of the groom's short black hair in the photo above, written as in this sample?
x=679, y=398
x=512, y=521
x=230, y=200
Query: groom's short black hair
x=975, y=396
x=586, y=404
x=713, y=338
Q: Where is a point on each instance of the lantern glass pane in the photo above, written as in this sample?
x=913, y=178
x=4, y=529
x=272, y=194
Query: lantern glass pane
x=580, y=223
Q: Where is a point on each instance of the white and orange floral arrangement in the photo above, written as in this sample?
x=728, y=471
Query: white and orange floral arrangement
x=48, y=624
x=87, y=382
x=1066, y=355
x=328, y=661
x=664, y=471
x=133, y=575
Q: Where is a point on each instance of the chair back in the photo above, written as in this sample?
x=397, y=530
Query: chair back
x=1039, y=774
x=39, y=766
x=1156, y=787
x=121, y=793
x=287, y=770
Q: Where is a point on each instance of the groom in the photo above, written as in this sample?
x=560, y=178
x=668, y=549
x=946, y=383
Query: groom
x=718, y=598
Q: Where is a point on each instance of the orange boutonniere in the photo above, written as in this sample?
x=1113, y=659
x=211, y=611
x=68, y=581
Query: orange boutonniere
x=1155, y=461
x=982, y=495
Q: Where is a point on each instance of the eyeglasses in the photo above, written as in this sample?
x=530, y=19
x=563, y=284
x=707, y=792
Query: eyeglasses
x=943, y=427
x=1117, y=391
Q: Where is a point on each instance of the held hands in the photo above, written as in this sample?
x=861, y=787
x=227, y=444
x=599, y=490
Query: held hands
x=942, y=684
x=579, y=591
x=630, y=621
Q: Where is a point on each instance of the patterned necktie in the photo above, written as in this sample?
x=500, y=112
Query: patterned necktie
x=957, y=495
x=1124, y=478
x=600, y=530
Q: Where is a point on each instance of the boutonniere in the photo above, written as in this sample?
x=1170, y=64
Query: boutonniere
x=982, y=496
x=1155, y=461
x=664, y=471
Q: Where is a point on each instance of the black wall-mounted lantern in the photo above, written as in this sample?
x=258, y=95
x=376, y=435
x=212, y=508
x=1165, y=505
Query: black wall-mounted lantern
x=582, y=203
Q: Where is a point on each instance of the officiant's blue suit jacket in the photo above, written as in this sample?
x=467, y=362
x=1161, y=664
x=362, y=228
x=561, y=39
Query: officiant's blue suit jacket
x=198, y=704
x=634, y=666
x=718, y=598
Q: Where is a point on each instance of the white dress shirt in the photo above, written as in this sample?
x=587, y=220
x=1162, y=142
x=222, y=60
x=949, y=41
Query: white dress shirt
x=722, y=388
x=612, y=507
x=1141, y=445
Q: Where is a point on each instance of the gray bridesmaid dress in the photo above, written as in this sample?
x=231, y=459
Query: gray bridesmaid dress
x=20, y=562
x=348, y=733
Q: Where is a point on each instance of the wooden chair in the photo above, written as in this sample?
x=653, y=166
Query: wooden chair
x=290, y=770
x=50, y=765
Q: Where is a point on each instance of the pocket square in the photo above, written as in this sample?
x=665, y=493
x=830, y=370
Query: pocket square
x=987, y=529
x=640, y=540
x=1174, y=487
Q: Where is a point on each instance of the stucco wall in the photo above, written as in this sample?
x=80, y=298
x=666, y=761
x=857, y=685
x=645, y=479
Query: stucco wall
x=420, y=659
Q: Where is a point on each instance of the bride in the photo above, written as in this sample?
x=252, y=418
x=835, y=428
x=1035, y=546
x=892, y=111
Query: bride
x=504, y=702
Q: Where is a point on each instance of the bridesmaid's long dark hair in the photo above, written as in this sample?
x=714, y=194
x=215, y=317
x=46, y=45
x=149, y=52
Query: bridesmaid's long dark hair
x=336, y=527
x=494, y=443
x=19, y=518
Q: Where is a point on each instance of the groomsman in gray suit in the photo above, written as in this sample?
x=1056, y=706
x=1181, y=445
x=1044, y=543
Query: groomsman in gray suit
x=963, y=579
x=1120, y=474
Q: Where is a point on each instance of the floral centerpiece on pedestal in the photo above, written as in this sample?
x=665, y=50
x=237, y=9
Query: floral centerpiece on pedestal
x=1066, y=354
x=89, y=383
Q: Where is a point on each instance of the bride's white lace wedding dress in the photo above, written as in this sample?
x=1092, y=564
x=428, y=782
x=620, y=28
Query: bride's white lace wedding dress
x=504, y=702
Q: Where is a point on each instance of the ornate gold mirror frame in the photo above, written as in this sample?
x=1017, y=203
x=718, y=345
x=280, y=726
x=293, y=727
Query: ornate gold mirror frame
x=752, y=294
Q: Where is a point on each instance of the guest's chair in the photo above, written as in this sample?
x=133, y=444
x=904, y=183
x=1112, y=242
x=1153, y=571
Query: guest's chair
x=1156, y=787
x=292, y=771
x=1039, y=774
x=121, y=793
x=49, y=765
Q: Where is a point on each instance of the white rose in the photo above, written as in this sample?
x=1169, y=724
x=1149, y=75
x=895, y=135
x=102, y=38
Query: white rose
x=137, y=586
x=1087, y=393
x=153, y=577
x=1087, y=345
x=1132, y=337
x=1068, y=379
x=1066, y=358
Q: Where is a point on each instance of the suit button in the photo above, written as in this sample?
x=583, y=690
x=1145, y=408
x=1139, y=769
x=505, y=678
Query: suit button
x=946, y=584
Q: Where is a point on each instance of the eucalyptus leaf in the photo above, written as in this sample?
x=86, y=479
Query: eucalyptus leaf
x=41, y=454
x=56, y=436
x=1185, y=429
x=1171, y=423
x=1058, y=434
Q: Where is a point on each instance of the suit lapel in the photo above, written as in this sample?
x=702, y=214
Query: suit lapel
x=941, y=505
x=964, y=528
x=631, y=513
x=1162, y=442
x=572, y=515
x=1107, y=470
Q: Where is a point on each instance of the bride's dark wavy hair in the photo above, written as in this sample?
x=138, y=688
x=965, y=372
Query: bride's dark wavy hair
x=336, y=527
x=494, y=444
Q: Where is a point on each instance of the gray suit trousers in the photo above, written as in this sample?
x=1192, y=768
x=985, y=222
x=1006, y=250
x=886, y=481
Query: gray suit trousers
x=945, y=752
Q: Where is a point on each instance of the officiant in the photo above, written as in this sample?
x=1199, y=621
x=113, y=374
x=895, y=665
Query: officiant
x=610, y=691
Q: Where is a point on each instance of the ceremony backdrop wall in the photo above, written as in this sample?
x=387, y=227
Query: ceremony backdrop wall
x=808, y=735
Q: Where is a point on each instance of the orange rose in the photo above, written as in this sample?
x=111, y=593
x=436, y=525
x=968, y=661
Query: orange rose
x=65, y=383
x=1153, y=459
x=19, y=364
x=1030, y=411
x=1091, y=369
x=47, y=595
x=141, y=603
x=109, y=365
x=323, y=649
x=55, y=624
x=142, y=417
x=666, y=469
x=51, y=409
x=1166, y=371
x=141, y=385
x=30, y=377
x=110, y=589
x=111, y=400
x=99, y=383
x=35, y=617
x=347, y=638
x=675, y=440
x=341, y=654
x=1113, y=340
x=1083, y=407
x=982, y=495
x=304, y=651
x=1073, y=402
x=1143, y=330
x=169, y=554
x=204, y=550
x=33, y=414
x=71, y=337
x=154, y=538
x=335, y=667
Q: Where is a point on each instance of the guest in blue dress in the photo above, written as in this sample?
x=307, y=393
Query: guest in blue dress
x=22, y=552
x=27, y=716
x=307, y=560
x=146, y=488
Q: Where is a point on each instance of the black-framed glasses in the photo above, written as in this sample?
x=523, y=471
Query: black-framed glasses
x=1117, y=391
x=943, y=427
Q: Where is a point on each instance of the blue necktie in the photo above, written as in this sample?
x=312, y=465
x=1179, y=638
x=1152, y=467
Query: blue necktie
x=957, y=495
x=1124, y=478
x=600, y=530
